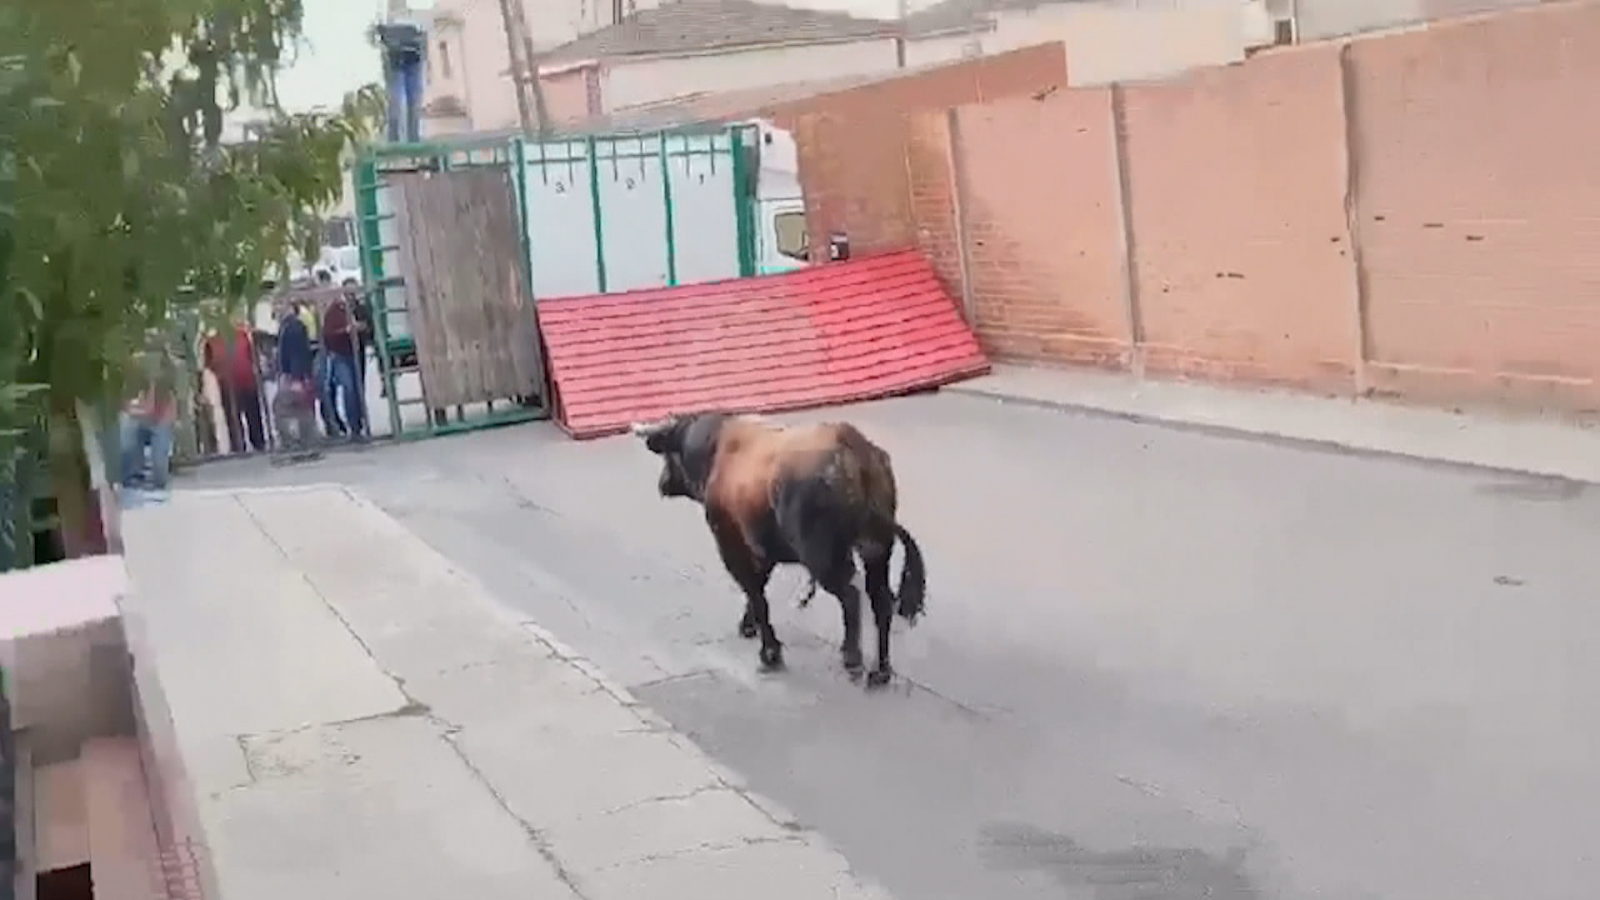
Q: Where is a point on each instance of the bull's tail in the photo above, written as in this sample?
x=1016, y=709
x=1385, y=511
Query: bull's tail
x=911, y=599
x=913, y=594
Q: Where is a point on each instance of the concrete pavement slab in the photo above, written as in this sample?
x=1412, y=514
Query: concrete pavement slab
x=269, y=653
x=550, y=781
x=715, y=819
x=476, y=755
x=788, y=870
x=381, y=808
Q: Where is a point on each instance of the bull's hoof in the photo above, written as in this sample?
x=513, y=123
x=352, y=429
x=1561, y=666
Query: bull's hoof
x=771, y=658
x=878, y=678
x=852, y=661
x=747, y=628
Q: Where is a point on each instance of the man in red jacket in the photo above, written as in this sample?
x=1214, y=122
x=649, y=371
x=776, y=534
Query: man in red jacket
x=231, y=356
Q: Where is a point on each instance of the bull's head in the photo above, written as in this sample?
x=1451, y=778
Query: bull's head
x=665, y=439
x=687, y=445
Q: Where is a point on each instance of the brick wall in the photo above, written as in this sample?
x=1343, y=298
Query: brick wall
x=1241, y=253
x=978, y=80
x=853, y=177
x=931, y=179
x=852, y=145
x=1042, y=223
x=1478, y=194
x=1408, y=214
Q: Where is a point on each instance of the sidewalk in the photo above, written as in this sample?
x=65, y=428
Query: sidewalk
x=1532, y=446
x=357, y=719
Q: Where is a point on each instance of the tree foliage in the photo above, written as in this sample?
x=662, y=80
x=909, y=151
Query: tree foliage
x=119, y=196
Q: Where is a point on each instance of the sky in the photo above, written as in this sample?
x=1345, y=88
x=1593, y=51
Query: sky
x=335, y=57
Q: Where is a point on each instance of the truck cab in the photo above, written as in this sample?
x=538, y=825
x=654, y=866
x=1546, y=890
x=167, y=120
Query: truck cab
x=782, y=239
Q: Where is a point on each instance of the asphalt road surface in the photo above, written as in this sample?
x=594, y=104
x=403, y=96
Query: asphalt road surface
x=1157, y=665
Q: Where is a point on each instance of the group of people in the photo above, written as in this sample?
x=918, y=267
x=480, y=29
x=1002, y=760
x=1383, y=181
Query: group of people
x=318, y=364
x=321, y=362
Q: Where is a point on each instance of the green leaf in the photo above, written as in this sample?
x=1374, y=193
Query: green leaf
x=14, y=396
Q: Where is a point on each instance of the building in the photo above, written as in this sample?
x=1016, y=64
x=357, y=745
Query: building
x=1279, y=20
x=601, y=57
x=1319, y=19
x=1106, y=40
x=654, y=54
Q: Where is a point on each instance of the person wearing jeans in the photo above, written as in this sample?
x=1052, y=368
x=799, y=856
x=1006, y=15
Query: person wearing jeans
x=148, y=419
x=140, y=430
x=340, y=346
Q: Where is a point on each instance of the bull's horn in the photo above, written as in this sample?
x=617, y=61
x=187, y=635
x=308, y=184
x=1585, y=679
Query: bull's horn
x=646, y=429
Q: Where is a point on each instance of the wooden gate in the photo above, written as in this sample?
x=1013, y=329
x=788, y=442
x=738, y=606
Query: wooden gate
x=470, y=311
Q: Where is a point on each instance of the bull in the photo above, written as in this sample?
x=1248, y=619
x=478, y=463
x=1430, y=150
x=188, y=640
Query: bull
x=814, y=495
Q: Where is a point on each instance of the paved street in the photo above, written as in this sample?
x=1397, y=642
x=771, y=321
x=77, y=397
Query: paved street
x=1157, y=665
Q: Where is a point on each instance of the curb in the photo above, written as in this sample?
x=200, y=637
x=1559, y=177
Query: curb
x=1260, y=435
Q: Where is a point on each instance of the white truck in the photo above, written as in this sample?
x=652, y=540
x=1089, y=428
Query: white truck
x=782, y=241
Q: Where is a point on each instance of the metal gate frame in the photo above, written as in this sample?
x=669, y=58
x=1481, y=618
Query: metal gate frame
x=393, y=351
x=514, y=152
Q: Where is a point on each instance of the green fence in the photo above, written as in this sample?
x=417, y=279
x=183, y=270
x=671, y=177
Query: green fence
x=597, y=215
x=24, y=482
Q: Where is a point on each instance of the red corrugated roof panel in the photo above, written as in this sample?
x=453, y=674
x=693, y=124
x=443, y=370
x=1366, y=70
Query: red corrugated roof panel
x=837, y=333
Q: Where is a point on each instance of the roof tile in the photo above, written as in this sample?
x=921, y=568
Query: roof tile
x=690, y=26
x=872, y=327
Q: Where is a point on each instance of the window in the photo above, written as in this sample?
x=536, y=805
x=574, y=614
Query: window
x=1283, y=32
x=444, y=60
x=793, y=240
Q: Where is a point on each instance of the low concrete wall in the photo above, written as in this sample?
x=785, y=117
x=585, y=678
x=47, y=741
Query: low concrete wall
x=84, y=779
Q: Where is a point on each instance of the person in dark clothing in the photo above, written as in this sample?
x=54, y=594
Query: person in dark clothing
x=341, y=344
x=295, y=359
x=296, y=393
x=363, y=317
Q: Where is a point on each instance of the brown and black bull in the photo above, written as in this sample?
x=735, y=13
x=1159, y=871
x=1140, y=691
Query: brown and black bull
x=815, y=495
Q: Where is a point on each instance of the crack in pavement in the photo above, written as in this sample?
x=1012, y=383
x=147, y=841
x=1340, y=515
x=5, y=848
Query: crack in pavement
x=719, y=777
x=704, y=847
x=448, y=729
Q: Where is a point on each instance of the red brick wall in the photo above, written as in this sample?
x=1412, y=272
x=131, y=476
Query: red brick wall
x=1044, y=229
x=1479, y=185
x=1241, y=253
x=852, y=144
x=932, y=180
x=978, y=80
x=1410, y=214
x=853, y=176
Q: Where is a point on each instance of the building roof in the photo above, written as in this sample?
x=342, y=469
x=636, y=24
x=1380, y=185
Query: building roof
x=965, y=16
x=693, y=26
